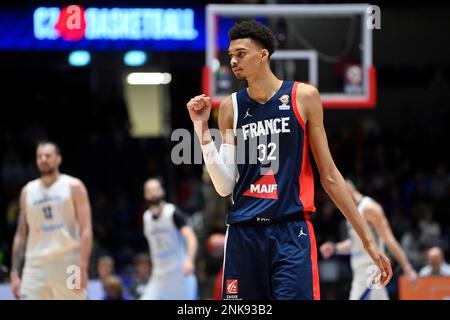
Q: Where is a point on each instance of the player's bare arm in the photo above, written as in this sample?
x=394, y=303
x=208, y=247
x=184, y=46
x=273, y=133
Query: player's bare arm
x=374, y=215
x=226, y=114
x=191, y=243
x=83, y=210
x=308, y=100
x=19, y=245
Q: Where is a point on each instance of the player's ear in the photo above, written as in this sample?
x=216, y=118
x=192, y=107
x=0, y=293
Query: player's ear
x=264, y=54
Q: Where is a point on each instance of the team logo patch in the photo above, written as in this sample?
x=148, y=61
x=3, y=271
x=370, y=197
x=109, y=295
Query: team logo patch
x=284, y=102
x=265, y=187
x=232, y=286
x=247, y=114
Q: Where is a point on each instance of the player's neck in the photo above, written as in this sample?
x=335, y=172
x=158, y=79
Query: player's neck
x=49, y=179
x=263, y=87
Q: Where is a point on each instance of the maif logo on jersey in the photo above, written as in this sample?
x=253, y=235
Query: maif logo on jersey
x=232, y=286
x=284, y=102
x=265, y=188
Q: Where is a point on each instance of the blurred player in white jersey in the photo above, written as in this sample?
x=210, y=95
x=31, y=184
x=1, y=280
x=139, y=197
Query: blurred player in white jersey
x=54, y=233
x=173, y=246
x=363, y=273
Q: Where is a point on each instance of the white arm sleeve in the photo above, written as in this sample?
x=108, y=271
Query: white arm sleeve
x=221, y=166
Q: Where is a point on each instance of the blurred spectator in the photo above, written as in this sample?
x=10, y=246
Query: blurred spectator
x=436, y=264
x=105, y=267
x=113, y=288
x=141, y=276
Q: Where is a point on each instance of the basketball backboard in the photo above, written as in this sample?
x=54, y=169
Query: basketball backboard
x=328, y=46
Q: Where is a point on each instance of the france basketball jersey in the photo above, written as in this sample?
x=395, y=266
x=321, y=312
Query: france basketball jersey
x=275, y=175
x=270, y=250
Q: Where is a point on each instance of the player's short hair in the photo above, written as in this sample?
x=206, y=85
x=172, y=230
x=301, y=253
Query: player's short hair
x=54, y=144
x=255, y=31
x=157, y=178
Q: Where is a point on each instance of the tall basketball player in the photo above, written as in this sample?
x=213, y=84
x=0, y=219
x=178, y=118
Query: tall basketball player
x=373, y=214
x=267, y=129
x=54, y=233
